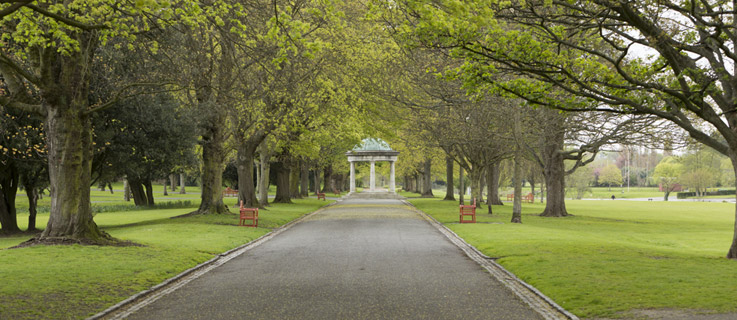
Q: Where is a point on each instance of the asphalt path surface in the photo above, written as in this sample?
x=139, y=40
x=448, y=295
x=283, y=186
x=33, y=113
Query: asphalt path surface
x=360, y=259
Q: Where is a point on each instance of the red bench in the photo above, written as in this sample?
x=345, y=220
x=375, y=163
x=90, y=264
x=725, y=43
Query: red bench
x=248, y=214
x=321, y=195
x=528, y=198
x=467, y=210
x=336, y=192
x=228, y=192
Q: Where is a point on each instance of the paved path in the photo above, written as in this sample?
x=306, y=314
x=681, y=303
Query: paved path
x=361, y=259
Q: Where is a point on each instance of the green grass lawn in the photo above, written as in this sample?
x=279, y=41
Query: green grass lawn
x=611, y=257
x=73, y=282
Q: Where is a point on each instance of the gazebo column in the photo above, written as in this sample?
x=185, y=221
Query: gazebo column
x=391, y=178
x=353, y=177
x=372, y=185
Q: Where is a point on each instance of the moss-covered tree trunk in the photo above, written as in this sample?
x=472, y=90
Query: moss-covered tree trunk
x=213, y=164
x=69, y=142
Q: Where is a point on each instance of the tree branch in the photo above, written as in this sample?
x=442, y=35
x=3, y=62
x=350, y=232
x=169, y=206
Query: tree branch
x=66, y=20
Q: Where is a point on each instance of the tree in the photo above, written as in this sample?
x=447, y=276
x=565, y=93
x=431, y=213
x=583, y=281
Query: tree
x=48, y=50
x=698, y=180
x=611, y=175
x=580, y=181
x=667, y=174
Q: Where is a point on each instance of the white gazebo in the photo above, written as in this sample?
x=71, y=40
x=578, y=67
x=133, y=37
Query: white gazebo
x=372, y=150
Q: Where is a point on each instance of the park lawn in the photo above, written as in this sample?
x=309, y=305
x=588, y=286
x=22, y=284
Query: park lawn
x=73, y=282
x=611, y=256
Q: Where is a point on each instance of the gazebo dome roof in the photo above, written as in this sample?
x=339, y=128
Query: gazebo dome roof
x=372, y=144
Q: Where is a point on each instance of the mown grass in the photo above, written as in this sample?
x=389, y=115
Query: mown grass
x=612, y=256
x=72, y=282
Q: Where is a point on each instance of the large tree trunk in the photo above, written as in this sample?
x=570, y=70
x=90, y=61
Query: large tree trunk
x=263, y=185
x=492, y=175
x=182, y=183
x=213, y=164
x=304, y=186
x=69, y=142
x=244, y=166
x=427, y=179
x=517, y=205
x=8, y=189
x=554, y=172
x=282, y=183
x=449, y=186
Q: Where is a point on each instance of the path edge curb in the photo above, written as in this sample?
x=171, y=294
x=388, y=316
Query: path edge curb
x=537, y=300
x=122, y=309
